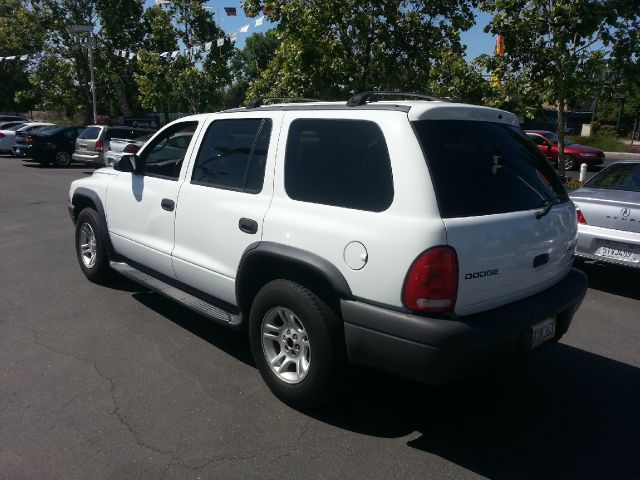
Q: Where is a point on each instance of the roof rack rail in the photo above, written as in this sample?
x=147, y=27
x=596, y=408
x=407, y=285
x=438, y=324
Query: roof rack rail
x=257, y=102
x=363, y=97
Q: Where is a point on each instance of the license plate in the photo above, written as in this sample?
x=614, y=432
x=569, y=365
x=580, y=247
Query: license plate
x=543, y=332
x=17, y=150
x=616, y=250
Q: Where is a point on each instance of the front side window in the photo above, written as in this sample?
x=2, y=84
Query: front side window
x=163, y=157
x=537, y=139
x=233, y=154
x=343, y=163
x=485, y=168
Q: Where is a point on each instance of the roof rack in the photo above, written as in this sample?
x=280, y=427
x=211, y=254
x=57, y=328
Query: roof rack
x=363, y=97
x=256, y=102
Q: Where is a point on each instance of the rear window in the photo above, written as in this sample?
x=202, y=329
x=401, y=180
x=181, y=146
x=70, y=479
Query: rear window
x=127, y=133
x=17, y=127
x=344, y=163
x=90, y=133
x=484, y=168
x=620, y=176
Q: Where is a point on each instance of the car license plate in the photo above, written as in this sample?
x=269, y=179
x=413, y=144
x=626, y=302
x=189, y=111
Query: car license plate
x=618, y=251
x=17, y=150
x=543, y=331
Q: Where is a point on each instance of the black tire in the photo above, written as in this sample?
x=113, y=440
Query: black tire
x=569, y=162
x=328, y=360
x=62, y=159
x=99, y=271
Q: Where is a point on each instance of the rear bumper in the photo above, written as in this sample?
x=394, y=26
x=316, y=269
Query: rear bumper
x=87, y=157
x=591, y=238
x=438, y=351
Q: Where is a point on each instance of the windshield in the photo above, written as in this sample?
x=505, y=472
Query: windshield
x=17, y=127
x=484, y=168
x=619, y=176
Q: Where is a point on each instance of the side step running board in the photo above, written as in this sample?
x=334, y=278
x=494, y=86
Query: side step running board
x=196, y=304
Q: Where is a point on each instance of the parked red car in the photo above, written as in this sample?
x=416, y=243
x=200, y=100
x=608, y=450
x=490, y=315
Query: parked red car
x=574, y=154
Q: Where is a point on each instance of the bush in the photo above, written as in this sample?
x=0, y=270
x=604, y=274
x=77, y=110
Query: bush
x=608, y=131
x=606, y=144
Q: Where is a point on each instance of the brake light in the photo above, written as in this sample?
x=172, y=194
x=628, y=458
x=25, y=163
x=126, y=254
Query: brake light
x=580, y=217
x=1, y=135
x=431, y=285
x=131, y=148
x=30, y=141
x=99, y=146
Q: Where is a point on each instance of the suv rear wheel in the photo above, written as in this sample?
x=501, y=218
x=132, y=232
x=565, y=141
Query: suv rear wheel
x=297, y=343
x=91, y=247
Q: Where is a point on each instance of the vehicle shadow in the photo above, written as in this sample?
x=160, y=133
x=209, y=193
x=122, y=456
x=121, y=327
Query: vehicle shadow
x=231, y=342
x=33, y=164
x=565, y=414
x=613, y=279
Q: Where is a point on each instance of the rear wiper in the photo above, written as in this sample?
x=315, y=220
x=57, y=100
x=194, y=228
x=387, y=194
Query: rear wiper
x=545, y=209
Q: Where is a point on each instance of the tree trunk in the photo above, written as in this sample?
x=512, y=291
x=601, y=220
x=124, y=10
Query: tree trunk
x=560, y=133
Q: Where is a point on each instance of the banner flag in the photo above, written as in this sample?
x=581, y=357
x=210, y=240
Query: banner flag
x=233, y=37
x=220, y=42
x=24, y=57
x=132, y=55
x=207, y=46
x=175, y=53
x=245, y=29
x=260, y=21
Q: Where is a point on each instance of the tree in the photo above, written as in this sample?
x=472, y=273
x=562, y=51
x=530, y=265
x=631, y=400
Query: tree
x=333, y=48
x=22, y=31
x=556, y=45
x=191, y=82
x=248, y=63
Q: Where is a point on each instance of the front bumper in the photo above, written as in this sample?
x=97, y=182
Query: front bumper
x=591, y=238
x=438, y=351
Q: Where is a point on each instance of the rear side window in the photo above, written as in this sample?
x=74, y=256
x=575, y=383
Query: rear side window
x=233, y=155
x=484, y=168
x=344, y=163
x=90, y=133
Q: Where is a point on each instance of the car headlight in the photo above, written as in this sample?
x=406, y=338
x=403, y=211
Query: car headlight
x=588, y=154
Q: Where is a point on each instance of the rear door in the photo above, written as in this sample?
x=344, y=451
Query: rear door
x=504, y=209
x=224, y=199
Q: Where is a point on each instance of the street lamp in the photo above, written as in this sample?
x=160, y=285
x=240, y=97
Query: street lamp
x=88, y=30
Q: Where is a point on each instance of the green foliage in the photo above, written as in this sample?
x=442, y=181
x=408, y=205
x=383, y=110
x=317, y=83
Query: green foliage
x=557, y=46
x=604, y=143
x=22, y=30
x=332, y=48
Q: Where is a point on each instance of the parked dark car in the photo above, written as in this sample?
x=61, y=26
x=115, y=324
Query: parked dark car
x=8, y=118
x=574, y=154
x=51, y=145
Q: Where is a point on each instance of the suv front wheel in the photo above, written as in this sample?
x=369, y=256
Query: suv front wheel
x=297, y=342
x=91, y=247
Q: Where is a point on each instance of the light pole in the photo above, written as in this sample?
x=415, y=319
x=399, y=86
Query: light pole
x=88, y=29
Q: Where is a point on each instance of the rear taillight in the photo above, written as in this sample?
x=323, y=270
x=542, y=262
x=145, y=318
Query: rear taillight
x=431, y=285
x=30, y=141
x=1, y=135
x=99, y=146
x=580, y=217
x=131, y=148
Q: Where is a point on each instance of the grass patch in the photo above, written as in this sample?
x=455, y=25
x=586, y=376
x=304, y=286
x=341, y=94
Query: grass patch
x=606, y=144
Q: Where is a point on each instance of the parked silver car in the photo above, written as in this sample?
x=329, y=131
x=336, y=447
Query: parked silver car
x=609, y=215
x=93, y=144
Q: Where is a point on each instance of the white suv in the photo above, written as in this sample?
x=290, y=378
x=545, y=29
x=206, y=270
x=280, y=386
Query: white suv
x=421, y=237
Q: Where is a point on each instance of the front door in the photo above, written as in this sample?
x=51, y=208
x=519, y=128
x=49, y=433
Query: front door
x=141, y=208
x=223, y=201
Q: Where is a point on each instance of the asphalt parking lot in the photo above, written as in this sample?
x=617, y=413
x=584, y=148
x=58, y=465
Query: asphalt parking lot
x=119, y=383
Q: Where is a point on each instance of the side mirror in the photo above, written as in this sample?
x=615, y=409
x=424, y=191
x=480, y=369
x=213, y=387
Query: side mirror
x=129, y=162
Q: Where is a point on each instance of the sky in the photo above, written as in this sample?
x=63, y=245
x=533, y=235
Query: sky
x=475, y=39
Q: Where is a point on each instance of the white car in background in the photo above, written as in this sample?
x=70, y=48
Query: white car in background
x=8, y=136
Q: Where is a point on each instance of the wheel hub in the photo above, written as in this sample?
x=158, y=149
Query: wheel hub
x=88, y=249
x=285, y=345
